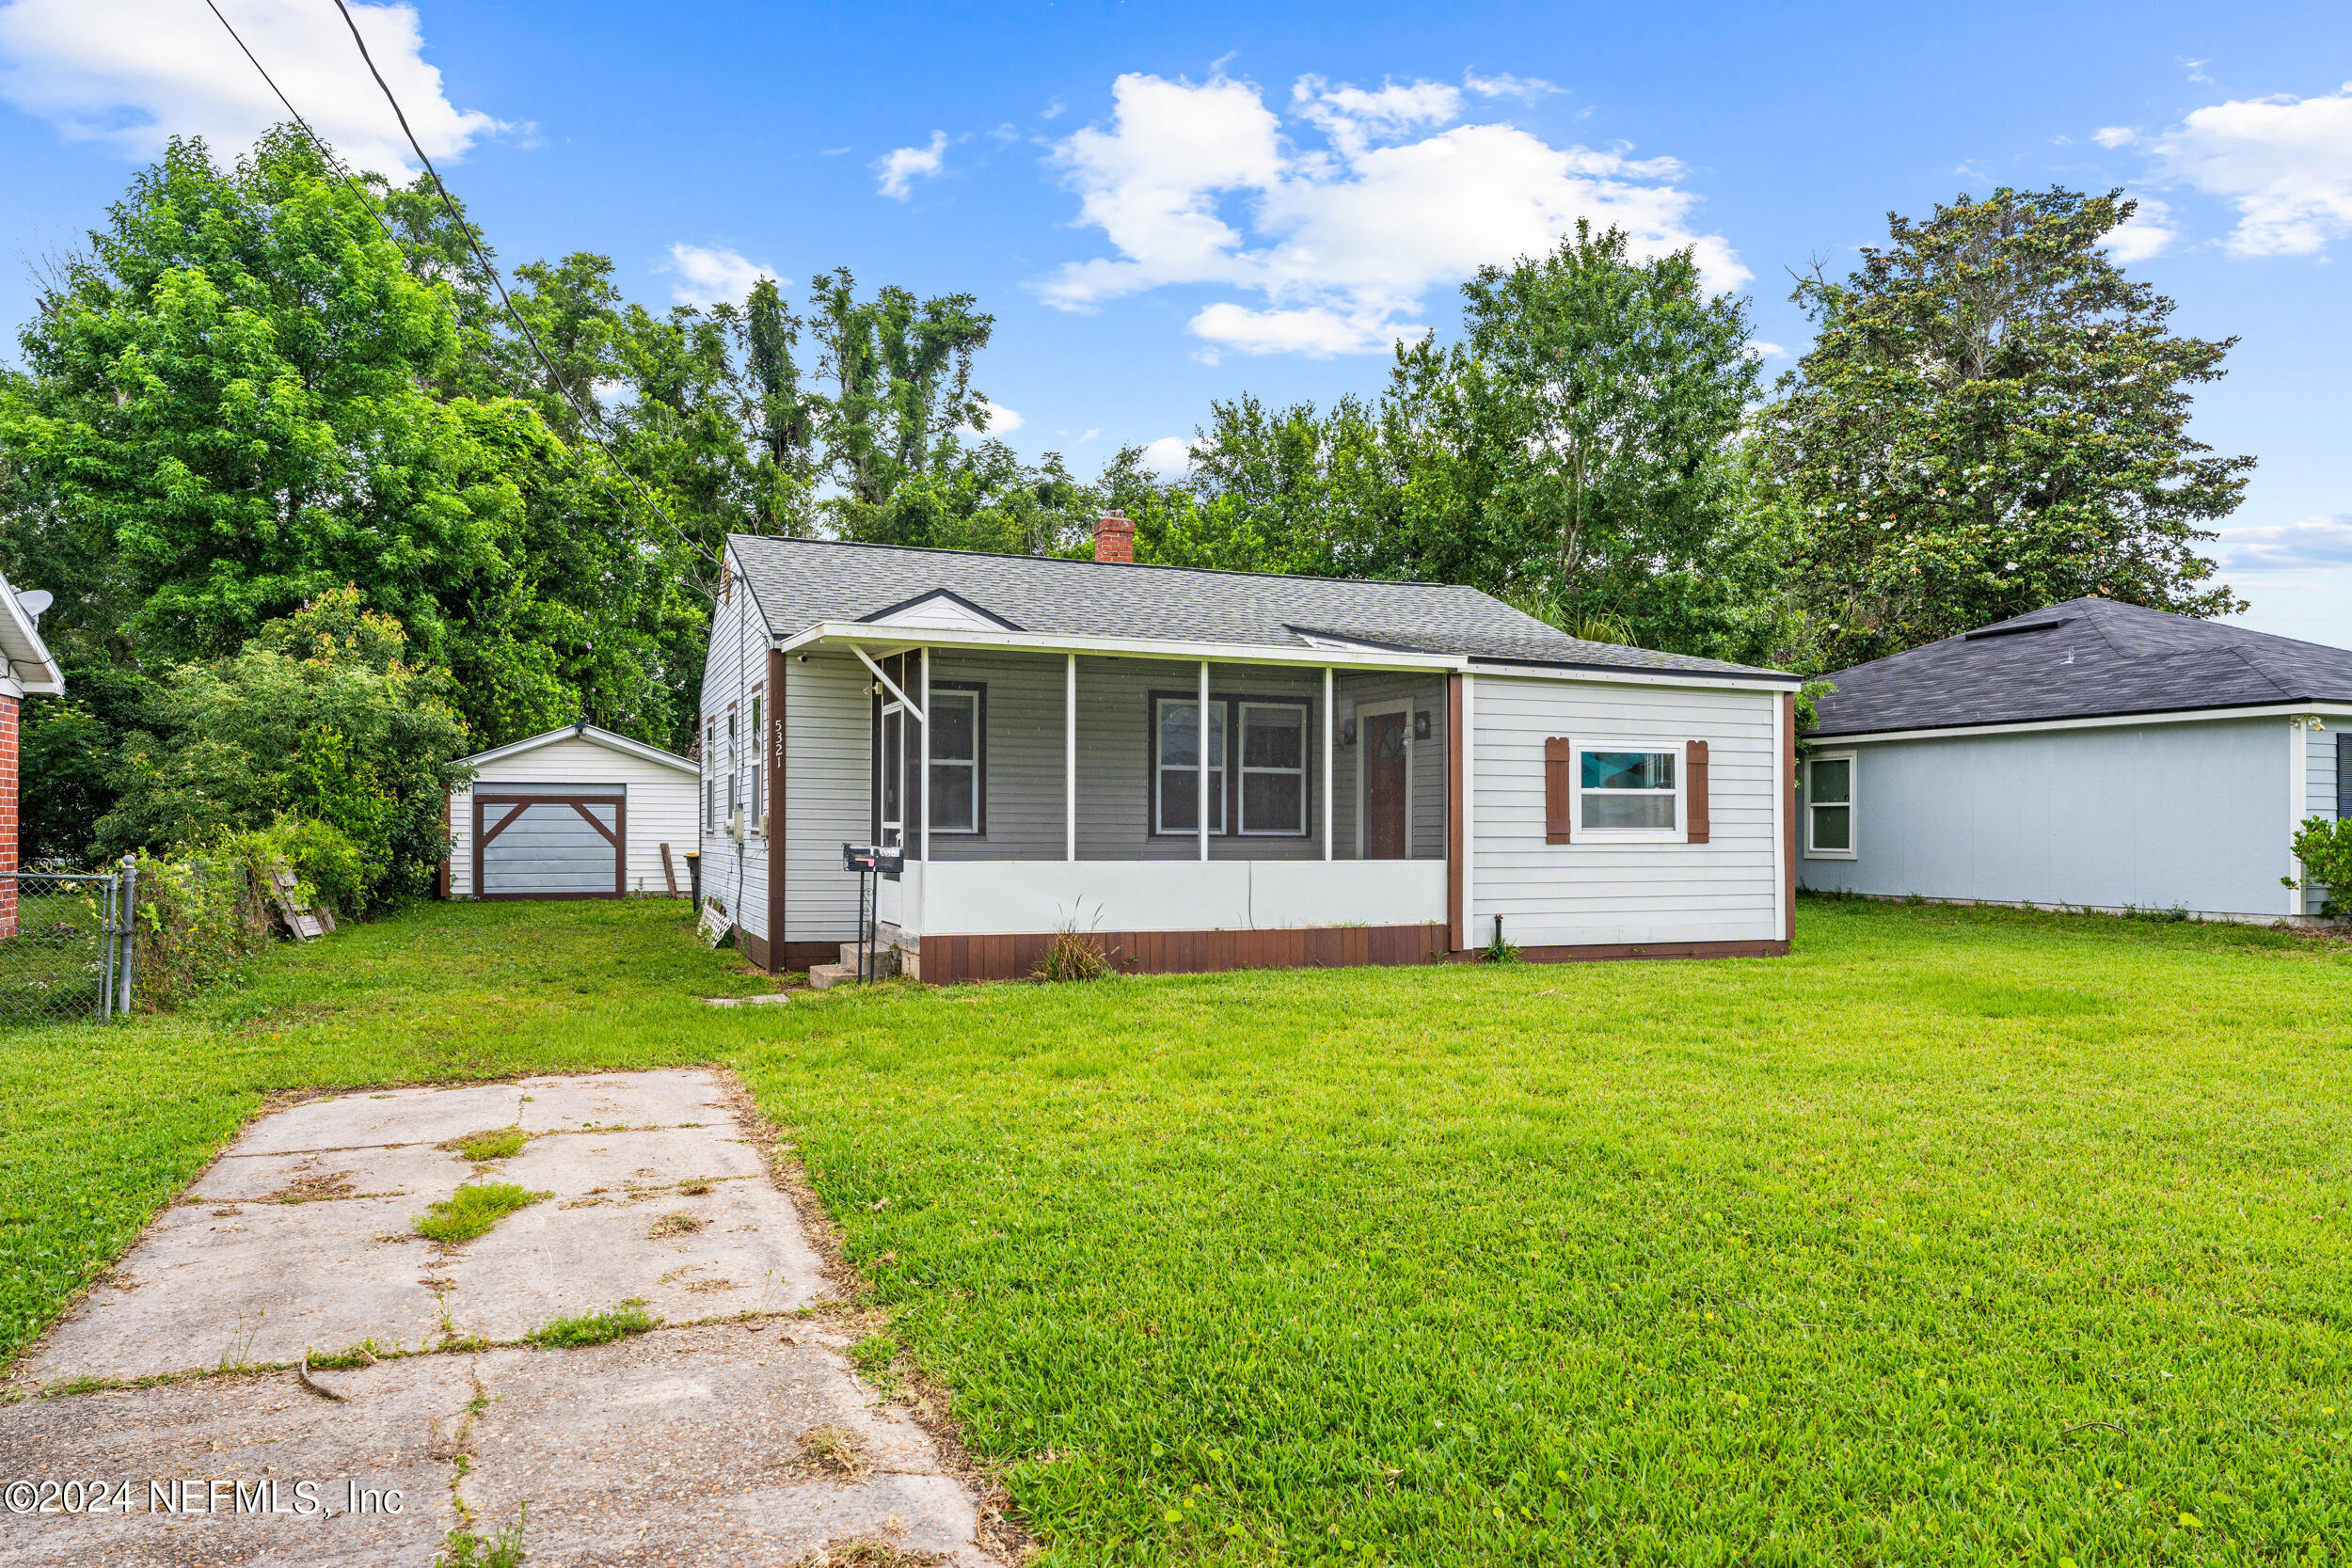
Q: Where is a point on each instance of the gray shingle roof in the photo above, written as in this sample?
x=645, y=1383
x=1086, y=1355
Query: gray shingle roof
x=800, y=582
x=2085, y=658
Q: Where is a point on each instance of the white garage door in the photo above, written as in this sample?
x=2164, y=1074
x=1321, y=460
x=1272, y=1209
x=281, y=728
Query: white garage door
x=551, y=840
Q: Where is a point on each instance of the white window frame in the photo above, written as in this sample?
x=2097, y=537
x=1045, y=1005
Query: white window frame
x=951, y=696
x=1852, y=803
x=1237, y=758
x=753, y=753
x=1579, y=834
x=1220, y=730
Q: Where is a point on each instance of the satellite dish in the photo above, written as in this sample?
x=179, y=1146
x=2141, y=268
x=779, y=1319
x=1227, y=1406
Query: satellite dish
x=36, y=601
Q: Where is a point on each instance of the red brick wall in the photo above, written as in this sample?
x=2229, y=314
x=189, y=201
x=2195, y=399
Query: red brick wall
x=7, y=813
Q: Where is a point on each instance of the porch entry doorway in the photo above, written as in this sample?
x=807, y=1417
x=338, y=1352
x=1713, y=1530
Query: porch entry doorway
x=1387, y=771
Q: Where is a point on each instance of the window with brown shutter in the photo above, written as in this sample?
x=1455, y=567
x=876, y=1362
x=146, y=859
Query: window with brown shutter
x=1695, y=790
x=1559, y=787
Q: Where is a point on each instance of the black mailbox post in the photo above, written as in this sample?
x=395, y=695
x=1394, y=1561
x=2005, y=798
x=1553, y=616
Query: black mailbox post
x=871, y=861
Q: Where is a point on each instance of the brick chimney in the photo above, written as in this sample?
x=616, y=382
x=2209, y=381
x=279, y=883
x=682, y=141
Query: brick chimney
x=1114, y=537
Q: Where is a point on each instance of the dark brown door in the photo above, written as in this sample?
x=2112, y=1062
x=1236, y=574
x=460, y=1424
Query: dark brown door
x=1384, y=787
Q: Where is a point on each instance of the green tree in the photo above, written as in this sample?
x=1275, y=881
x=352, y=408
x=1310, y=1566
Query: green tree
x=1995, y=417
x=319, y=716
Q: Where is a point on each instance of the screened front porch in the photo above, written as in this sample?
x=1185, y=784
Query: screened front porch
x=1031, y=791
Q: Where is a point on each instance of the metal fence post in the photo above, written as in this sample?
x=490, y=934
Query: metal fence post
x=108, y=907
x=129, y=906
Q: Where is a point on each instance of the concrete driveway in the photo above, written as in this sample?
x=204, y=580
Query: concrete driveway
x=744, y=1440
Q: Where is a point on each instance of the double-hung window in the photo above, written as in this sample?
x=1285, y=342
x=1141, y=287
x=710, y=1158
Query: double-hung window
x=959, y=716
x=734, y=780
x=1176, y=766
x=1828, y=800
x=1629, y=793
x=755, y=752
x=1264, y=794
x=1272, y=768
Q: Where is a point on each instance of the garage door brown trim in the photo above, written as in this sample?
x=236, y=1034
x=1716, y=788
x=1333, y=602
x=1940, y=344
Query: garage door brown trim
x=618, y=836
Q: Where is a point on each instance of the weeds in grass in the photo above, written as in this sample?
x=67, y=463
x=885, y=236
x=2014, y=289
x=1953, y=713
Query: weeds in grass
x=697, y=1188
x=866, y=1552
x=496, y=1143
x=872, y=1356
x=678, y=1224
x=1075, y=952
x=238, y=1355
x=595, y=1328
x=473, y=1209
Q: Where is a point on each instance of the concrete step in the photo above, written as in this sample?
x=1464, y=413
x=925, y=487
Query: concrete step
x=885, y=959
x=826, y=976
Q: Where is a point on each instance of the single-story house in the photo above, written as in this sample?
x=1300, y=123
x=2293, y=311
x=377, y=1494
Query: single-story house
x=1395, y=771
x=29, y=671
x=576, y=813
x=2093, y=754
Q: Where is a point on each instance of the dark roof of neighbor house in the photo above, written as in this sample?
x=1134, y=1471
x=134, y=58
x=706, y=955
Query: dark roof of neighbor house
x=800, y=582
x=2086, y=658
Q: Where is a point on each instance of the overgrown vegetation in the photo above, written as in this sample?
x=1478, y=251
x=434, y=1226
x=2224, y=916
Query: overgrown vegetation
x=2323, y=848
x=473, y=1209
x=1849, y=1252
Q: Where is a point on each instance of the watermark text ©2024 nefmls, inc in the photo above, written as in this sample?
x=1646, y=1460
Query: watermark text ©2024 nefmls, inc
x=286, y=1498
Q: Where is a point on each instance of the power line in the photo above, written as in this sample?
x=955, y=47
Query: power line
x=588, y=421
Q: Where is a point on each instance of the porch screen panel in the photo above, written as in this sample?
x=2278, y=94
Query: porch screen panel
x=1272, y=768
x=1176, y=790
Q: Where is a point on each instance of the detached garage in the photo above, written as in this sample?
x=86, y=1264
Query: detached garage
x=576, y=813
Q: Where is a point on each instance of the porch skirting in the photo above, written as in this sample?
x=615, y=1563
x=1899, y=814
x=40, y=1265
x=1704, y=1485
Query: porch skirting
x=947, y=959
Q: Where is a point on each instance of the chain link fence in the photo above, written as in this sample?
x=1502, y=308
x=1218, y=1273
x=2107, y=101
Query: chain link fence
x=65, y=945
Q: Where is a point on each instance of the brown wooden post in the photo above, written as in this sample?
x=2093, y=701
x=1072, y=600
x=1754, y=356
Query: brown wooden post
x=776, y=677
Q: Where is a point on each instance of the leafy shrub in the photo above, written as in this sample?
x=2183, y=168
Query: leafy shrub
x=2323, y=849
x=202, y=917
x=319, y=721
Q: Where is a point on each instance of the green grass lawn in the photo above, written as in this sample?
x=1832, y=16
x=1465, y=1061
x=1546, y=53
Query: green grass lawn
x=1833, y=1257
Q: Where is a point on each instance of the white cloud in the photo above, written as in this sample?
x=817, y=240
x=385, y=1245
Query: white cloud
x=713, y=275
x=1203, y=185
x=2113, y=137
x=130, y=74
x=2314, y=542
x=1759, y=348
x=898, y=169
x=1503, y=84
x=2149, y=231
x=1001, y=422
x=1170, y=457
x=2285, y=163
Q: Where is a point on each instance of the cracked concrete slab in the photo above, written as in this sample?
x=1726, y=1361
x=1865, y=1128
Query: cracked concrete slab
x=682, y=1445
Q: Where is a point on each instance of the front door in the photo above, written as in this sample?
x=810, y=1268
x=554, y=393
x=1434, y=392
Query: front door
x=1385, y=792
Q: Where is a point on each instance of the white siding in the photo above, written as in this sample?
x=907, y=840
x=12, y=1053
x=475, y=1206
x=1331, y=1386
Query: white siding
x=2319, y=792
x=733, y=671
x=2153, y=816
x=661, y=807
x=827, y=791
x=1724, y=890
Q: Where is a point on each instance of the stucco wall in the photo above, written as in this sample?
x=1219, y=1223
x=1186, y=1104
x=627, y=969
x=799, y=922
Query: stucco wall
x=2184, y=816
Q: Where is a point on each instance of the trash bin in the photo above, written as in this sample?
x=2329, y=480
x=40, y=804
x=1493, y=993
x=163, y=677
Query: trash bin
x=695, y=876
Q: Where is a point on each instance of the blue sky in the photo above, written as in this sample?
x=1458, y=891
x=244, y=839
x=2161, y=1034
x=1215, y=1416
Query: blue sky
x=1164, y=204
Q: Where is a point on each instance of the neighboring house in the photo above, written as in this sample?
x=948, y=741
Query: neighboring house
x=29, y=672
x=576, y=813
x=1395, y=770
x=2090, y=755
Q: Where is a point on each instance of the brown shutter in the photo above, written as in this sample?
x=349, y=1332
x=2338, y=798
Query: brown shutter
x=1559, y=793
x=1695, y=788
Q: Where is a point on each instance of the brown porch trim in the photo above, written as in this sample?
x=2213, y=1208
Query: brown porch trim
x=754, y=948
x=1015, y=956
x=1788, y=816
x=775, y=841
x=1457, y=917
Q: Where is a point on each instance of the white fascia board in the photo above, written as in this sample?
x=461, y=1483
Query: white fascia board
x=2104, y=721
x=591, y=733
x=1110, y=647
x=1610, y=676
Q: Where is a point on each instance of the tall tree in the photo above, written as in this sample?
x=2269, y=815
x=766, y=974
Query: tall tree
x=1995, y=417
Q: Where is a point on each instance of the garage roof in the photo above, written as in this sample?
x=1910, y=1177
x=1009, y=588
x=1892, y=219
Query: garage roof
x=589, y=733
